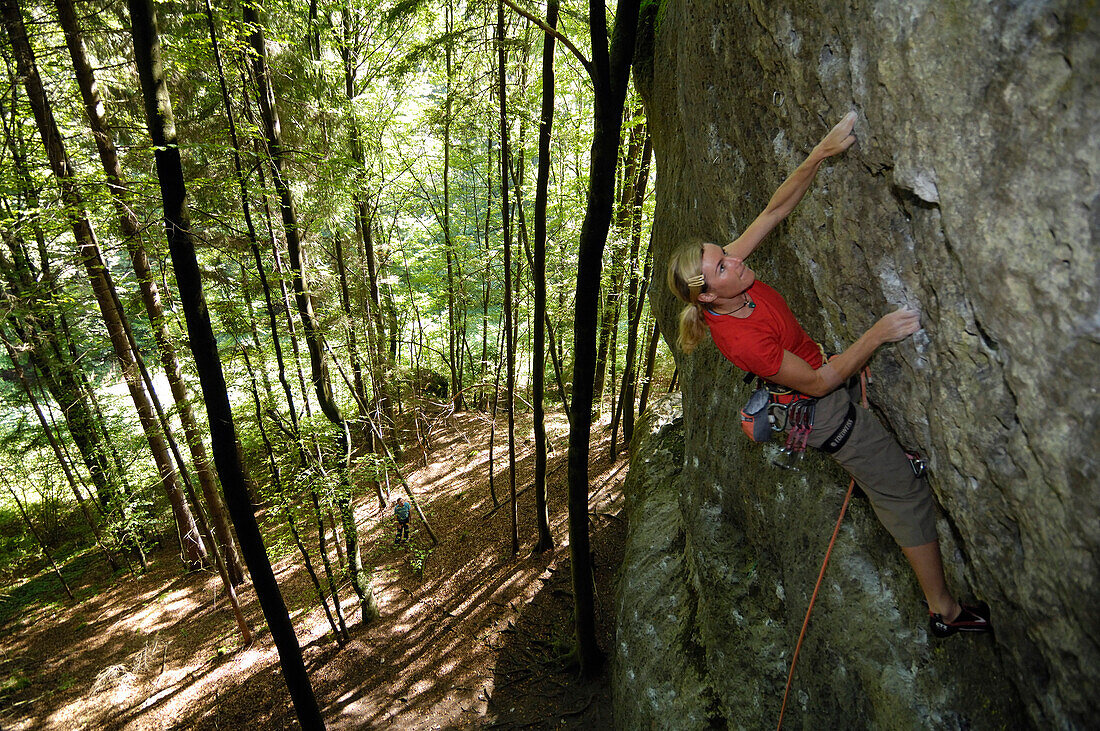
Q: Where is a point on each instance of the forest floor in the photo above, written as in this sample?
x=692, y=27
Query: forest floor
x=470, y=635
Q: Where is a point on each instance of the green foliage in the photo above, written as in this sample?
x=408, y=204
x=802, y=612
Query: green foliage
x=16, y=544
x=41, y=590
x=12, y=683
x=417, y=558
x=131, y=518
x=421, y=96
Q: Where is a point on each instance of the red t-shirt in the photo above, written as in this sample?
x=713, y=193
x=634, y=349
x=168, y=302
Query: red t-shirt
x=756, y=343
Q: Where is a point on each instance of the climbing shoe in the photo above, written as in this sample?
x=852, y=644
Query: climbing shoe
x=972, y=618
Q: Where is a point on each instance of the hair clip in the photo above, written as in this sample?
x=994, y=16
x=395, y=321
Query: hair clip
x=696, y=281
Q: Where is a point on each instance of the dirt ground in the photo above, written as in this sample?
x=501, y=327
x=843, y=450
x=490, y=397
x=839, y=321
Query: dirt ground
x=470, y=635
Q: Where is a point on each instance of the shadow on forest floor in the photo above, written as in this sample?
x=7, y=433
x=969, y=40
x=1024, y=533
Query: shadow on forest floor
x=470, y=636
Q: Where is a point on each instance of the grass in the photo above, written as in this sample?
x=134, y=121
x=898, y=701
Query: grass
x=43, y=590
x=12, y=683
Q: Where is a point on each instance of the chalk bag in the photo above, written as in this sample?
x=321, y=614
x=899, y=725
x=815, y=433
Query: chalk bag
x=754, y=416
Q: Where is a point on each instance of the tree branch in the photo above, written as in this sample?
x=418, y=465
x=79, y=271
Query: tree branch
x=551, y=31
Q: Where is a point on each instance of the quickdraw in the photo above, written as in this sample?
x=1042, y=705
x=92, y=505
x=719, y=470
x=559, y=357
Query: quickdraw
x=800, y=422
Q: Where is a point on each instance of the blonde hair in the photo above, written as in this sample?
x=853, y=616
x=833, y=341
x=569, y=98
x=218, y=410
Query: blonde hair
x=685, y=279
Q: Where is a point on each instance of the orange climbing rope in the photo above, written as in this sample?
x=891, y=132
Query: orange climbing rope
x=824, y=564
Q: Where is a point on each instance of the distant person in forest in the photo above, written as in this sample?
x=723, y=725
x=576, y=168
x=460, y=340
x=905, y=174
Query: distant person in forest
x=752, y=326
x=401, y=511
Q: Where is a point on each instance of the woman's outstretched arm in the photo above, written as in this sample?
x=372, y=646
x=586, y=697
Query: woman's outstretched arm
x=791, y=191
x=797, y=374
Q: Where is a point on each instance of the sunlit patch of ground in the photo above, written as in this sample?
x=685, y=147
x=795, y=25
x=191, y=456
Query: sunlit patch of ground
x=471, y=637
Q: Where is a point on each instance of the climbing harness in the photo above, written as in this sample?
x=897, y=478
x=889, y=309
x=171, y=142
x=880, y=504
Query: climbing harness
x=772, y=408
x=839, y=437
x=863, y=377
x=775, y=408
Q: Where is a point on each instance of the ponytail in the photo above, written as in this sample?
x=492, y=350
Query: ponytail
x=693, y=328
x=685, y=279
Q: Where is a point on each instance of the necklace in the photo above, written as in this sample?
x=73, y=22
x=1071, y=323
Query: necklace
x=747, y=303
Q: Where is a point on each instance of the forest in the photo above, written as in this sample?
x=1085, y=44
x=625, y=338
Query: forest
x=274, y=273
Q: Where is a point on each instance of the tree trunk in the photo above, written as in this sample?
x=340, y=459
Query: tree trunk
x=37, y=537
x=219, y=558
x=647, y=377
x=158, y=113
x=22, y=376
x=320, y=520
x=357, y=388
x=611, y=70
x=128, y=224
x=509, y=347
x=193, y=551
x=304, y=300
x=59, y=372
x=618, y=264
x=454, y=342
x=635, y=303
x=253, y=238
x=341, y=632
x=376, y=328
x=538, y=274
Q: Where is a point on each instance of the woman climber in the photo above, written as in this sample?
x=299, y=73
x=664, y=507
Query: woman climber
x=752, y=326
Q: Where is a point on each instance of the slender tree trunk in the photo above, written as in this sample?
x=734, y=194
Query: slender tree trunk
x=285, y=304
x=253, y=238
x=509, y=347
x=128, y=224
x=304, y=301
x=618, y=264
x=193, y=551
x=22, y=376
x=62, y=376
x=454, y=342
x=608, y=311
x=340, y=633
x=382, y=360
x=59, y=373
x=376, y=329
x=37, y=537
x=635, y=304
x=488, y=279
x=493, y=421
x=357, y=389
x=320, y=520
x=549, y=336
x=158, y=113
x=538, y=274
x=647, y=378
x=611, y=68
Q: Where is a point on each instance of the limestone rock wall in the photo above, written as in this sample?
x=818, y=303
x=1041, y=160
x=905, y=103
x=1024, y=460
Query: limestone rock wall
x=971, y=193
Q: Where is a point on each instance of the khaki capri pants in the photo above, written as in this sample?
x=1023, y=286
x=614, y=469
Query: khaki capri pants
x=902, y=501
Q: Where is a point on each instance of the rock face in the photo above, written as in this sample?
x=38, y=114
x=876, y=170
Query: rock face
x=972, y=193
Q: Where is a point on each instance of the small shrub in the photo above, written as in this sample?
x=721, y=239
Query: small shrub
x=13, y=683
x=418, y=557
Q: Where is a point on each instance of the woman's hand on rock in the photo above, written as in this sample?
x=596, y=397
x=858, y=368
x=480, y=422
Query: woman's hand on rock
x=898, y=325
x=839, y=139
